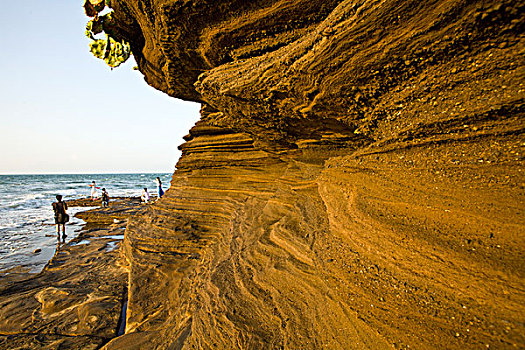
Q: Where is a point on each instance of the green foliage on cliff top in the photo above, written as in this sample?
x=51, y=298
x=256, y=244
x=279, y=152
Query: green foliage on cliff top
x=113, y=52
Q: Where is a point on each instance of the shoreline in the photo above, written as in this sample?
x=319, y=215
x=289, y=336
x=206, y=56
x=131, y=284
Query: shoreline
x=76, y=300
x=27, y=222
x=40, y=253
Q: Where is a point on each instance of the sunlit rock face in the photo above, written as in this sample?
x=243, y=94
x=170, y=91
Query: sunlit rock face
x=356, y=180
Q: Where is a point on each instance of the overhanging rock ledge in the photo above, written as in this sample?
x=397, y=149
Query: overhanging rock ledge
x=355, y=182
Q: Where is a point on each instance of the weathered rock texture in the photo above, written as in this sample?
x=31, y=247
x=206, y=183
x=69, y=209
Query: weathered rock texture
x=356, y=180
x=75, y=302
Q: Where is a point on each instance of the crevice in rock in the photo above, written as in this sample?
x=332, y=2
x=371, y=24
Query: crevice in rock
x=121, y=325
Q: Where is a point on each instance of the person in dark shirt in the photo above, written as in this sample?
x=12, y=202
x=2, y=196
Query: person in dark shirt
x=61, y=216
x=105, y=198
x=160, y=191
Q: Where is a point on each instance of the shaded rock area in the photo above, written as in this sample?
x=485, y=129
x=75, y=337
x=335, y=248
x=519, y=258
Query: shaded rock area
x=355, y=182
x=77, y=299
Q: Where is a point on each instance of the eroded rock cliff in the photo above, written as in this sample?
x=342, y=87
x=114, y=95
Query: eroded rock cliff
x=356, y=180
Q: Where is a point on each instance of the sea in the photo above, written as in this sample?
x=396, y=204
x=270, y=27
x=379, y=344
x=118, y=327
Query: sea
x=28, y=238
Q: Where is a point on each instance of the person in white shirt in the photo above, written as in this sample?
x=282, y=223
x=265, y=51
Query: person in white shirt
x=145, y=195
x=93, y=190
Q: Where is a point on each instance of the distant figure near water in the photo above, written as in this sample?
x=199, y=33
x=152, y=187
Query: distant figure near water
x=159, y=187
x=145, y=195
x=61, y=216
x=93, y=190
x=105, y=198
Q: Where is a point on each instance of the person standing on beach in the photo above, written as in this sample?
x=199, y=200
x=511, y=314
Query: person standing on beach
x=105, y=198
x=93, y=190
x=145, y=195
x=159, y=187
x=61, y=216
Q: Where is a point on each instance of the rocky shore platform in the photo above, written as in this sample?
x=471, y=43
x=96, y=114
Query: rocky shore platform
x=78, y=300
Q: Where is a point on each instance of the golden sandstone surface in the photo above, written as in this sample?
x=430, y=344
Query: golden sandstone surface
x=355, y=182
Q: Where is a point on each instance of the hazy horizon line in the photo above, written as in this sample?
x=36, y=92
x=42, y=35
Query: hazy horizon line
x=89, y=173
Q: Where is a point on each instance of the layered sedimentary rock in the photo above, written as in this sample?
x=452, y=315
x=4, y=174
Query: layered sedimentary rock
x=356, y=180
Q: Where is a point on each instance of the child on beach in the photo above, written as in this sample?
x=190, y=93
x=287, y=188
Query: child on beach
x=145, y=195
x=61, y=216
x=105, y=198
x=159, y=187
x=93, y=190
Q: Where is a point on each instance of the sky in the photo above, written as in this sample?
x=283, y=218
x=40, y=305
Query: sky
x=63, y=111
